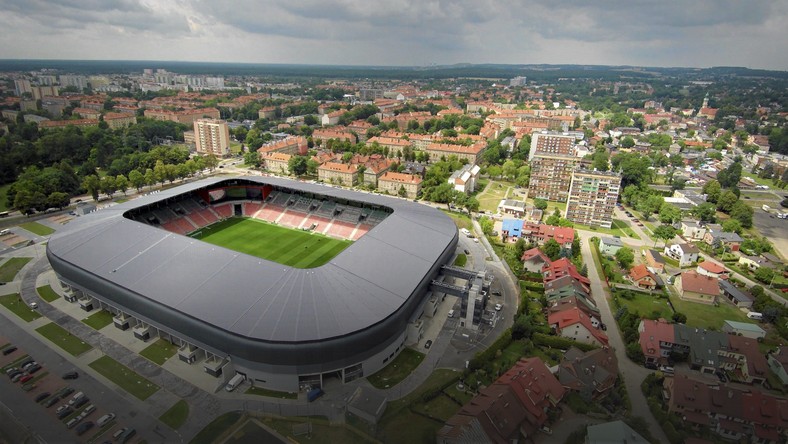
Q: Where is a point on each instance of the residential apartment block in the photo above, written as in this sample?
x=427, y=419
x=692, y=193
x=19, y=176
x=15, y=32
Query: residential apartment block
x=551, y=176
x=548, y=143
x=340, y=173
x=187, y=117
x=212, y=136
x=471, y=153
x=592, y=198
x=392, y=182
x=119, y=120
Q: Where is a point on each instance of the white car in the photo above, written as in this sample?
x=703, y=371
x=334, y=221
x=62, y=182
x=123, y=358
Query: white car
x=498, y=307
x=105, y=419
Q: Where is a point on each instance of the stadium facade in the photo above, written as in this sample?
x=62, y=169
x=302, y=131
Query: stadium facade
x=282, y=327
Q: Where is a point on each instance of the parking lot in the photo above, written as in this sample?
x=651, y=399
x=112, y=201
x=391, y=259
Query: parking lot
x=58, y=396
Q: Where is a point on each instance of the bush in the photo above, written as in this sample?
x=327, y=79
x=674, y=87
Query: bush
x=486, y=356
x=544, y=340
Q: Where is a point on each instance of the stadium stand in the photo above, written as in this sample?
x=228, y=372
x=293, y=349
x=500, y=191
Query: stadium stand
x=251, y=208
x=291, y=219
x=224, y=211
x=326, y=209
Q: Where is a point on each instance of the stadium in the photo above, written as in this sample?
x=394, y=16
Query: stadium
x=288, y=283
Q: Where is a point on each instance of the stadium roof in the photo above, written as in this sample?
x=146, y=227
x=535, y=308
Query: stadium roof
x=248, y=296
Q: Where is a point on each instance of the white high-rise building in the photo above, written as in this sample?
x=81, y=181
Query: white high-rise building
x=212, y=136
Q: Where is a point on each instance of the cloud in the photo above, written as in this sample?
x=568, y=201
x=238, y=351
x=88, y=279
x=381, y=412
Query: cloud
x=408, y=32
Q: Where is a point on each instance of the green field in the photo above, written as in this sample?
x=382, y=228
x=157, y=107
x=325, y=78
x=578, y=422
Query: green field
x=295, y=248
x=37, y=228
x=124, y=377
x=11, y=267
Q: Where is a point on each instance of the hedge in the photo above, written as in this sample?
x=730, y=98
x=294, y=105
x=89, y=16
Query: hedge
x=485, y=356
x=560, y=343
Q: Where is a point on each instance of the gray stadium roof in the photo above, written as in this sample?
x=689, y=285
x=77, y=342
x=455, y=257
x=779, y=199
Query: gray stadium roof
x=252, y=297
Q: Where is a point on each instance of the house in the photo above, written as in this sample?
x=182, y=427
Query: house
x=744, y=329
x=614, y=432
x=541, y=233
x=335, y=172
x=563, y=267
x=276, y=162
x=574, y=324
x=464, y=179
x=736, y=296
x=692, y=230
x=685, y=254
x=534, y=260
x=511, y=409
x=778, y=363
x=721, y=239
x=732, y=413
x=642, y=278
x=657, y=339
x=704, y=347
x=574, y=301
x=742, y=361
x=513, y=207
x=655, y=261
x=695, y=287
x=592, y=374
x=394, y=183
x=610, y=245
x=712, y=269
x=511, y=229
x=331, y=118
x=567, y=286
x=755, y=262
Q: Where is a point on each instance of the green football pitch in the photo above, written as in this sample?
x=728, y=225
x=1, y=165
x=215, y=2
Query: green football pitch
x=295, y=248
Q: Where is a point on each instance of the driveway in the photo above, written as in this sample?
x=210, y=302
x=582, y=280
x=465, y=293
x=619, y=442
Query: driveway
x=632, y=373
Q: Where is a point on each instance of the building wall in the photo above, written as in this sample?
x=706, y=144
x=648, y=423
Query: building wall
x=277, y=166
x=579, y=333
x=592, y=198
x=392, y=187
x=551, y=177
x=212, y=137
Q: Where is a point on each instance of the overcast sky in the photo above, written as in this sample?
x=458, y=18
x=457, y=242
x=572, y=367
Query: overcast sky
x=698, y=33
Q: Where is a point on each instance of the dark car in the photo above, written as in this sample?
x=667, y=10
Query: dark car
x=66, y=391
x=651, y=365
x=467, y=252
x=428, y=344
x=14, y=374
x=70, y=375
x=8, y=350
x=42, y=396
x=65, y=412
x=34, y=368
x=81, y=401
x=51, y=401
x=84, y=427
x=603, y=326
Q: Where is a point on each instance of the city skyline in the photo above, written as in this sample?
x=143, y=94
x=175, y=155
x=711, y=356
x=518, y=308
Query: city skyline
x=700, y=34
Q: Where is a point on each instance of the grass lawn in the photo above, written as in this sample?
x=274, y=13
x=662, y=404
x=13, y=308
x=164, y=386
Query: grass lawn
x=441, y=407
x=400, y=424
x=648, y=306
x=124, y=377
x=397, y=370
x=47, y=293
x=212, y=431
x=295, y=248
x=491, y=197
x=462, y=220
x=461, y=260
x=176, y=415
x=259, y=391
x=708, y=316
x=37, y=228
x=14, y=303
x=322, y=433
x=68, y=342
x=620, y=228
x=159, y=352
x=11, y=267
x=99, y=319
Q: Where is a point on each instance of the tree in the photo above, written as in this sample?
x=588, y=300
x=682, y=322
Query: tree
x=764, y=274
x=625, y=257
x=108, y=185
x=487, y=225
x=150, y=177
x=576, y=246
x=601, y=160
x=136, y=179
x=665, y=233
x=627, y=142
x=669, y=213
x=122, y=183
x=552, y=249
x=211, y=162
x=472, y=205
x=540, y=204
x=494, y=171
x=743, y=213
x=726, y=201
x=554, y=218
x=732, y=226
x=712, y=189
x=509, y=169
x=706, y=212
x=92, y=184
x=730, y=176
x=252, y=158
x=311, y=167
x=679, y=318
x=297, y=165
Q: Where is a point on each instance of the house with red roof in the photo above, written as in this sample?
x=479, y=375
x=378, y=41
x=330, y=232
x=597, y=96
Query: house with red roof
x=743, y=361
x=592, y=374
x=541, y=233
x=575, y=324
x=712, y=269
x=642, y=278
x=511, y=409
x=696, y=287
x=534, y=260
x=563, y=267
x=657, y=340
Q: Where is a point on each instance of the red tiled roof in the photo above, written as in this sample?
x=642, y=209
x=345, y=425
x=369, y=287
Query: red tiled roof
x=712, y=267
x=639, y=272
x=573, y=315
x=533, y=253
x=696, y=283
x=654, y=332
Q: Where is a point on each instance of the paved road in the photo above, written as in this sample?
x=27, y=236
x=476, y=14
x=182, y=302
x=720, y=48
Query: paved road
x=632, y=373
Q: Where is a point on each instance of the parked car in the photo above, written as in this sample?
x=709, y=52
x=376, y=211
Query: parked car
x=105, y=419
x=64, y=413
x=428, y=344
x=66, y=391
x=8, y=350
x=34, y=368
x=70, y=375
x=42, y=396
x=14, y=374
x=498, y=307
x=651, y=365
x=17, y=376
x=51, y=401
x=25, y=378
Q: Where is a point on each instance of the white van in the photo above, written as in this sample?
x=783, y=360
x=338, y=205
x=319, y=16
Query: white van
x=755, y=315
x=76, y=397
x=4, y=231
x=235, y=381
x=451, y=313
x=465, y=232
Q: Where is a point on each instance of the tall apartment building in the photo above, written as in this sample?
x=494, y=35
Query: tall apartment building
x=551, y=177
x=79, y=82
x=548, y=143
x=212, y=136
x=22, y=86
x=592, y=197
x=518, y=81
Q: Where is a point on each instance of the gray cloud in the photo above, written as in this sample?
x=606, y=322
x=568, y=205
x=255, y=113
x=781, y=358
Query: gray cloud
x=697, y=33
